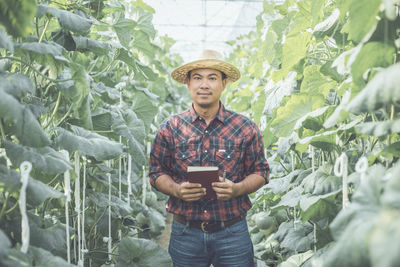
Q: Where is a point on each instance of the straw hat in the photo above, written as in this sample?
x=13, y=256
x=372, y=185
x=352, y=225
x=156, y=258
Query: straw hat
x=209, y=59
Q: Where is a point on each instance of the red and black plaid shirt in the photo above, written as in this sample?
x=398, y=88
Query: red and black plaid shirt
x=231, y=141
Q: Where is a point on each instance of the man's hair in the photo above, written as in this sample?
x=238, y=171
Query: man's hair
x=222, y=74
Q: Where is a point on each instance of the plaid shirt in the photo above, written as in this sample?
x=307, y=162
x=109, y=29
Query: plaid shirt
x=231, y=141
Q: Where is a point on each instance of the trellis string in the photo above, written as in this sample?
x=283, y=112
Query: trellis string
x=340, y=169
x=83, y=246
x=25, y=168
x=119, y=173
x=109, y=213
x=362, y=167
x=78, y=204
x=129, y=178
x=67, y=193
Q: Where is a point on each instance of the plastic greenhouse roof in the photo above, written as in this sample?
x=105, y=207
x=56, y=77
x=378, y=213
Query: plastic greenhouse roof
x=204, y=24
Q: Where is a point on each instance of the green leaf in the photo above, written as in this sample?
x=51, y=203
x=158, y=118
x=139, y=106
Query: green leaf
x=316, y=83
x=43, y=159
x=386, y=231
x=372, y=55
x=89, y=44
x=16, y=258
x=319, y=207
x=362, y=18
x=5, y=244
x=9, y=179
x=294, y=49
x=141, y=71
x=144, y=21
x=297, y=260
x=124, y=29
x=23, y=123
x=45, y=259
x=37, y=192
x=290, y=199
x=50, y=48
x=382, y=90
x=67, y=20
x=89, y=143
x=50, y=238
x=17, y=16
x=281, y=185
x=391, y=195
x=326, y=27
x=6, y=42
x=137, y=252
x=17, y=85
x=129, y=126
x=144, y=108
x=295, y=236
x=379, y=128
x=296, y=107
x=321, y=182
x=275, y=92
x=392, y=150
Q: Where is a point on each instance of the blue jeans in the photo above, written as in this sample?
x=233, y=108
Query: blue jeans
x=230, y=247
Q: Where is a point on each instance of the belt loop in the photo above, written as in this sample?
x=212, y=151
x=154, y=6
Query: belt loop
x=222, y=224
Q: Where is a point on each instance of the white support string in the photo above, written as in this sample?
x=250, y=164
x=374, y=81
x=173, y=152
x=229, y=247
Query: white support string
x=78, y=204
x=312, y=159
x=83, y=246
x=340, y=169
x=129, y=178
x=315, y=237
x=67, y=193
x=119, y=172
x=362, y=167
x=292, y=159
x=109, y=214
x=144, y=186
x=25, y=169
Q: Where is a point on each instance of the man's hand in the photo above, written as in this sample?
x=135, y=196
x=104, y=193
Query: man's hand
x=225, y=189
x=190, y=191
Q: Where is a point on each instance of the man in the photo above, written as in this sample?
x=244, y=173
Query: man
x=205, y=231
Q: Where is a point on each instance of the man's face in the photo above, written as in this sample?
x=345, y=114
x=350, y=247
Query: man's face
x=205, y=87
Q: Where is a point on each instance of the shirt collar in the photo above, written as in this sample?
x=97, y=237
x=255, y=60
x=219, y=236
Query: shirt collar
x=220, y=114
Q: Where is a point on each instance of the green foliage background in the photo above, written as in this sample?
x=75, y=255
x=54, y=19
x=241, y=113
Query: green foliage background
x=321, y=79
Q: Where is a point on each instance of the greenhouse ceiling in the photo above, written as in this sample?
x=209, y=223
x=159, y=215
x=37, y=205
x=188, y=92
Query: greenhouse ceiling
x=199, y=24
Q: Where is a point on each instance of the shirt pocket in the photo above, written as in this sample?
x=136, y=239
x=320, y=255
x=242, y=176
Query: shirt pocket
x=230, y=160
x=183, y=159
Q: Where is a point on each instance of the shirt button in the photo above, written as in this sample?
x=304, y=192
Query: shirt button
x=205, y=211
x=206, y=131
x=206, y=151
x=229, y=156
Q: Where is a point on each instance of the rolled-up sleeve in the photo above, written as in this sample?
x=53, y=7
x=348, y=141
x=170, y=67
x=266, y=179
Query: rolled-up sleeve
x=160, y=155
x=255, y=162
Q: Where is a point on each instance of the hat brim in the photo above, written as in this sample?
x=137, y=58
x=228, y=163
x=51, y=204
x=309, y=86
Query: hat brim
x=232, y=73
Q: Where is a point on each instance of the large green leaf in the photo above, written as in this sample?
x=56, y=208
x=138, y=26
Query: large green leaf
x=321, y=182
x=67, y=20
x=46, y=259
x=295, y=236
x=316, y=83
x=144, y=108
x=297, y=260
x=89, y=143
x=50, y=238
x=290, y=199
x=275, y=92
x=5, y=244
x=5, y=41
x=391, y=195
x=296, y=107
x=372, y=55
x=37, y=192
x=129, y=126
x=144, y=21
x=141, y=71
x=319, y=207
x=138, y=252
x=327, y=26
x=23, y=123
x=16, y=84
x=49, y=48
x=124, y=29
x=89, y=44
x=379, y=128
x=43, y=159
x=281, y=185
x=294, y=49
x=9, y=179
x=17, y=16
x=382, y=90
x=362, y=18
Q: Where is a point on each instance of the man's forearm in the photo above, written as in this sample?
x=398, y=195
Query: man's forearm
x=249, y=185
x=166, y=185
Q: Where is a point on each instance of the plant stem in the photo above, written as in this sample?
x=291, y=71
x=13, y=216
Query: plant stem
x=65, y=116
x=3, y=208
x=3, y=135
x=44, y=30
x=55, y=110
x=35, y=70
